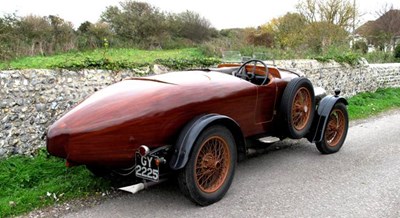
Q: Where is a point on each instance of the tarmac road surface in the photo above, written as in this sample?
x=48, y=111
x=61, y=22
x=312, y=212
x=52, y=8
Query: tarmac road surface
x=292, y=180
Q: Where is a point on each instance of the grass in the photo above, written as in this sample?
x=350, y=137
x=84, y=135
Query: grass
x=28, y=183
x=123, y=56
x=371, y=103
x=128, y=58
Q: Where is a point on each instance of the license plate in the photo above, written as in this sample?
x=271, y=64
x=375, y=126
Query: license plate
x=146, y=167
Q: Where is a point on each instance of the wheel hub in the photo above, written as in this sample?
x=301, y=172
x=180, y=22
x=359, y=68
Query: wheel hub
x=210, y=161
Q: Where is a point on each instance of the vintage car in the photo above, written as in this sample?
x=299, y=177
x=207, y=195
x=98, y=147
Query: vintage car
x=196, y=124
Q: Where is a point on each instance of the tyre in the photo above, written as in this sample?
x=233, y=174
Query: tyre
x=298, y=107
x=335, y=131
x=211, y=166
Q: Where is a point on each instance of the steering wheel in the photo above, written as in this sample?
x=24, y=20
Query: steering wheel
x=251, y=75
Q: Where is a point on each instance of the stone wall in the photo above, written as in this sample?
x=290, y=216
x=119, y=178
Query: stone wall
x=351, y=80
x=30, y=100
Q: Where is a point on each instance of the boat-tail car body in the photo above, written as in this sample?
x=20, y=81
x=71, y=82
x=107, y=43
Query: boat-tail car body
x=196, y=124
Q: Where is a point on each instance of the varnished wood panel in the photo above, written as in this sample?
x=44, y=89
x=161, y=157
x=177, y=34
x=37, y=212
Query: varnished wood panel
x=108, y=127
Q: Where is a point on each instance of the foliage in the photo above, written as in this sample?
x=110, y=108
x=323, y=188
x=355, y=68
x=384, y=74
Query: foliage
x=138, y=22
x=336, y=12
x=289, y=30
x=292, y=31
x=260, y=37
x=7, y=35
x=92, y=36
x=361, y=46
x=228, y=39
x=340, y=55
x=190, y=25
x=114, y=59
x=146, y=26
x=319, y=36
x=27, y=183
x=185, y=63
x=380, y=57
x=312, y=32
x=131, y=25
x=396, y=52
x=370, y=103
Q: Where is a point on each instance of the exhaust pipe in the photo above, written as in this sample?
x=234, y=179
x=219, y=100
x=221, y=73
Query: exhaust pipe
x=140, y=186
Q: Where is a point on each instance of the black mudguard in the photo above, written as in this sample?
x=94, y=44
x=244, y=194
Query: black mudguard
x=191, y=132
x=321, y=116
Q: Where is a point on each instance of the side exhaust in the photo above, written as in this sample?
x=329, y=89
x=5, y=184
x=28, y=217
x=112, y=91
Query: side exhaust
x=140, y=186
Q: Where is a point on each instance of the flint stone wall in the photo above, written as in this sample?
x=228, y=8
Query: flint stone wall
x=31, y=100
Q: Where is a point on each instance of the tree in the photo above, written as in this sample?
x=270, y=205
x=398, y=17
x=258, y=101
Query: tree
x=260, y=37
x=339, y=12
x=288, y=30
x=321, y=35
x=84, y=27
x=138, y=22
x=8, y=36
x=93, y=35
x=190, y=25
x=63, y=34
x=37, y=33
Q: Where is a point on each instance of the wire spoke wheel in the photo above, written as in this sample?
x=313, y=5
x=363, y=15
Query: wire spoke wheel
x=212, y=164
x=335, y=131
x=335, y=128
x=301, y=108
x=298, y=107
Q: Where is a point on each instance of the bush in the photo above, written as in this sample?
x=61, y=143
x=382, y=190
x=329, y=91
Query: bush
x=397, y=52
x=187, y=63
x=379, y=57
x=361, y=46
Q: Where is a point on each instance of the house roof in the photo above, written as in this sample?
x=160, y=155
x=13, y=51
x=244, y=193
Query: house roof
x=388, y=22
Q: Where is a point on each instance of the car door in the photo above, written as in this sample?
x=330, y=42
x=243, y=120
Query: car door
x=265, y=103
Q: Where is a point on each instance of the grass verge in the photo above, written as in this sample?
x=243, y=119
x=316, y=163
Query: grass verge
x=28, y=183
x=112, y=59
x=367, y=104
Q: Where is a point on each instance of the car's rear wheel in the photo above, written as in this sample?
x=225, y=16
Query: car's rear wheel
x=211, y=166
x=335, y=131
x=297, y=107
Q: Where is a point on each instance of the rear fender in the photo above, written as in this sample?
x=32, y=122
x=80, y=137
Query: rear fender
x=193, y=129
x=321, y=116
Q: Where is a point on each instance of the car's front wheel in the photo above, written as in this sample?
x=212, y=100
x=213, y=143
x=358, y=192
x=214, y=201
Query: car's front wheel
x=335, y=130
x=210, y=170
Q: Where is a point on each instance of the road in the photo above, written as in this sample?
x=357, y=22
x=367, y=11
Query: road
x=293, y=180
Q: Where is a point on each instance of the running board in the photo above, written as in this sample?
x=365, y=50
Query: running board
x=269, y=139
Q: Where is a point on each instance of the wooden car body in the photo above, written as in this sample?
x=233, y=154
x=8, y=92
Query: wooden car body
x=107, y=128
x=195, y=123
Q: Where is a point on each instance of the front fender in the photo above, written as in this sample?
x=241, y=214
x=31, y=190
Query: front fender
x=192, y=130
x=321, y=116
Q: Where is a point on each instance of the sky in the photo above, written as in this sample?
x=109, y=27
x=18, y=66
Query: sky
x=222, y=14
